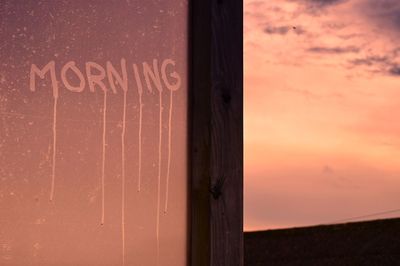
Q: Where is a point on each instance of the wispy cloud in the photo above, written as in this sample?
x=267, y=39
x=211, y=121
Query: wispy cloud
x=327, y=170
x=333, y=50
x=383, y=14
x=315, y=7
x=321, y=3
x=385, y=64
x=283, y=30
x=370, y=60
x=395, y=70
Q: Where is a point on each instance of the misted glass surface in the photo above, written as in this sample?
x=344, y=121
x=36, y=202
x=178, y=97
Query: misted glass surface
x=93, y=132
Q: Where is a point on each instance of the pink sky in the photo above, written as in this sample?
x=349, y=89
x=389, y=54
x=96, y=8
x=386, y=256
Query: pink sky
x=322, y=98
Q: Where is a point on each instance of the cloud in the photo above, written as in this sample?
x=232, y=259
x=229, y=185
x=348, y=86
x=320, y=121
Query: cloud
x=316, y=6
x=323, y=3
x=327, y=170
x=370, y=60
x=319, y=3
x=333, y=50
x=395, y=70
x=384, y=14
x=387, y=64
x=283, y=30
x=277, y=30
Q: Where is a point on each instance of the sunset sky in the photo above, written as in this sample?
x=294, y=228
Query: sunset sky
x=322, y=105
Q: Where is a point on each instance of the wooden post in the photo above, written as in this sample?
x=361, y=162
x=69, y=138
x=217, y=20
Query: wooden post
x=216, y=132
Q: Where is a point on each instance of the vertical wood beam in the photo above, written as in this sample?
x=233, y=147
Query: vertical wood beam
x=216, y=132
x=199, y=130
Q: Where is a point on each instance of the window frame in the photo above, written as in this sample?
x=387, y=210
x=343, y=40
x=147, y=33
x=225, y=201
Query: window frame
x=215, y=132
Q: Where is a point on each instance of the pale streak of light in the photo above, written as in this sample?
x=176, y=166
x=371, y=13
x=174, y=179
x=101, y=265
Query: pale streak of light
x=169, y=150
x=103, y=157
x=53, y=170
x=123, y=180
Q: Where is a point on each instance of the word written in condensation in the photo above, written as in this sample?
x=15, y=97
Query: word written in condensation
x=97, y=75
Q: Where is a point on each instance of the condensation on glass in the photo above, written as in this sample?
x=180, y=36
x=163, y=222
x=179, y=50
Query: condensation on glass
x=93, y=131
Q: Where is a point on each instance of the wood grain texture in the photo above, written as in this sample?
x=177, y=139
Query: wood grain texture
x=227, y=133
x=217, y=132
x=199, y=131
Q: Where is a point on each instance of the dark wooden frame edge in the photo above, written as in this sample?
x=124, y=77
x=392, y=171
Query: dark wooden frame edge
x=216, y=132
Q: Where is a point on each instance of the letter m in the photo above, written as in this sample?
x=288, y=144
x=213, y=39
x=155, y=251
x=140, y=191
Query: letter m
x=50, y=67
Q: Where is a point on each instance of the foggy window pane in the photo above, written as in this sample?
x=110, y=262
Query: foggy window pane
x=93, y=131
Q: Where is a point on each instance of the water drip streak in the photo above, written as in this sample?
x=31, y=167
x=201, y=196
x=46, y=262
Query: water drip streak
x=53, y=170
x=123, y=180
x=140, y=142
x=103, y=156
x=140, y=92
x=159, y=176
x=169, y=150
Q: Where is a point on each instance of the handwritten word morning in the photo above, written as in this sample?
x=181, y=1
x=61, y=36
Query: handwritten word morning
x=96, y=75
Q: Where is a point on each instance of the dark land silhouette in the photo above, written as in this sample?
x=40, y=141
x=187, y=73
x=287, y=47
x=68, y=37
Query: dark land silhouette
x=357, y=243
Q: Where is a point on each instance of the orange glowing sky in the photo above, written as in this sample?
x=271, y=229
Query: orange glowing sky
x=322, y=98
